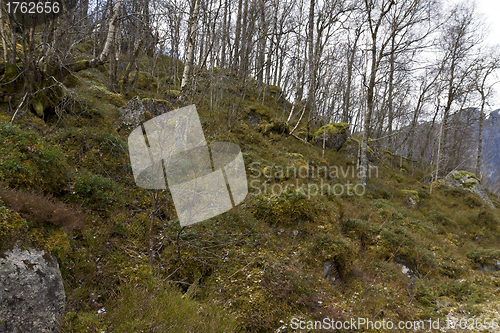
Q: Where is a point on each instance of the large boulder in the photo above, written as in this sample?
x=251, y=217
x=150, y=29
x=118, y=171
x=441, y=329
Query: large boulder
x=31, y=292
x=468, y=181
x=334, y=135
x=133, y=113
x=156, y=107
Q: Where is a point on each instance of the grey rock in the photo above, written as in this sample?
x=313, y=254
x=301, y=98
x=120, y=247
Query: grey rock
x=491, y=268
x=32, y=295
x=133, y=113
x=253, y=119
x=156, y=107
x=327, y=269
x=334, y=136
x=469, y=182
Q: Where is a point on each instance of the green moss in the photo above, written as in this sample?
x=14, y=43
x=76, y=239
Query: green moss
x=294, y=155
x=96, y=191
x=144, y=81
x=102, y=92
x=80, y=65
x=335, y=248
x=275, y=90
x=484, y=256
x=459, y=174
x=11, y=72
x=276, y=126
x=411, y=193
x=469, y=185
x=173, y=94
x=333, y=128
x=71, y=81
x=38, y=107
x=262, y=110
x=26, y=160
x=12, y=228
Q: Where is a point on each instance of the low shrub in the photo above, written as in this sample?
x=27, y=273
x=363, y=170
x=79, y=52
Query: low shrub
x=363, y=230
x=337, y=249
x=28, y=161
x=484, y=256
x=159, y=307
x=96, y=191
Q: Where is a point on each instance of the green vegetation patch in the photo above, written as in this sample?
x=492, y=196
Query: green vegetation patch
x=28, y=161
x=96, y=191
x=484, y=256
x=459, y=174
x=12, y=228
x=158, y=306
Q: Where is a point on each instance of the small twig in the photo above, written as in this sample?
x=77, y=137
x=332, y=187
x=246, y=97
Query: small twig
x=178, y=246
x=19, y=107
x=239, y=270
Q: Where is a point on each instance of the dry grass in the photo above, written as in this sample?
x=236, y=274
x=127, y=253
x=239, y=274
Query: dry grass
x=40, y=209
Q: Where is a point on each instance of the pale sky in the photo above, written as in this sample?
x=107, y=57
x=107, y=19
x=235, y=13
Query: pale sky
x=490, y=11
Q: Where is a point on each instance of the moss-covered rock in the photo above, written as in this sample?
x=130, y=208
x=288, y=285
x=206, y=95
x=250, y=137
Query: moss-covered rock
x=411, y=196
x=334, y=135
x=132, y=114
x=468, y=181
x=103, y=93
x=158, y=106
x=275, y=126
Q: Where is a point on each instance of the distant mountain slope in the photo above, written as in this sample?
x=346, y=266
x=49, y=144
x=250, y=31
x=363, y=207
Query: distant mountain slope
x=491, y=143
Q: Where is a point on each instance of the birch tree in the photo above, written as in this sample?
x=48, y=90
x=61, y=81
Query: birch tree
x=188, y=63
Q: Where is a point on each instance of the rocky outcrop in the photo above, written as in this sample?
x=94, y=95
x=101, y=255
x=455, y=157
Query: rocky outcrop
x=156, y=107
x=253, y=119
x=334, y=135
x=468, y=181
x=133, y=113
x=31, y=292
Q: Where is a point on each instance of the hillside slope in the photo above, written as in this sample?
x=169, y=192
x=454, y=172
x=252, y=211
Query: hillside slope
x=390, y=251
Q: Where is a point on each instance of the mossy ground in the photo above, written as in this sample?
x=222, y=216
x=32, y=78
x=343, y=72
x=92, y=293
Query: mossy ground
x=260, y=264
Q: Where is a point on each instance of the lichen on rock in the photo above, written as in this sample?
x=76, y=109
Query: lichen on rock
x=468, y=181
x=133, y=113
x=32, y=295
x=334, y=135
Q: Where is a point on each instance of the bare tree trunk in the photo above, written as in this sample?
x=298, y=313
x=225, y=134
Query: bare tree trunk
x=14, y=42
x=193, y=20
x=262, y=46
x=369, y=111
x=131, y=63
x=245, y=37
x=225, y=35
x=2, y=33
x=236, y=56
x=391, y=94
x=351, y=53
x=111, y=35
x=300, y=119
x=480, y=138
x=272, y=49
x=312, y=76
